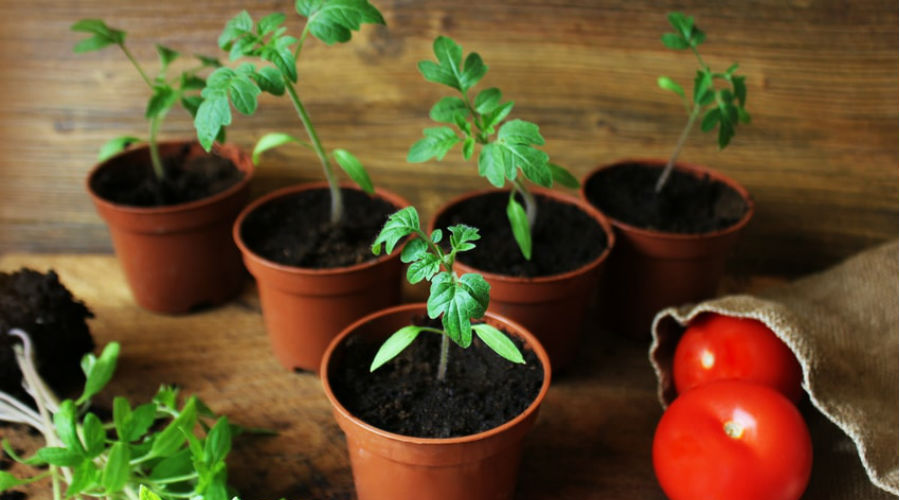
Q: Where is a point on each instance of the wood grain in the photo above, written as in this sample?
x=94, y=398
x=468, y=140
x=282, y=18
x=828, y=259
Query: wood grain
x=820, y=158
x=592, y=440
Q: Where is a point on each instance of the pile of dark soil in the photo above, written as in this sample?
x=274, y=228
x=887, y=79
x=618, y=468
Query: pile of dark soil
x=41, y=306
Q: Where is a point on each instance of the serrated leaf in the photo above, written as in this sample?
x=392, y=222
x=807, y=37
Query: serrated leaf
x=354, y=169
x=212, y=115
x=116, y=470
x=413, y=251
x=94, y=435
x=423, y=269
x=91, y=44
x=457, y=304
x=498, y=114
x=243, y=92
x=498, y=342
x=269, y=23
x=166, y=55
x=270, y=80
x=487, y=100
x=468, y=148
x=438, y=74
x=683, y=24
x=63, y=457
x=335, y=20
x=447, y=109
x=103, y=35
x=520, y=132
x=162, y=100
x=437, y=142
x=115, y=146
x=218, y=442
x=474, y=70
x=83, y=477
x=282, y=57
x=710, y=120
x=667, y=83
x=236, y=27
x=491, y=164
x=398, y=226
x=447, y=52
x=532, y=162
x=269, y=141
x=675, y=42
x=462, y=236
x=518, y=222
x=563, y=176
x=394, y=345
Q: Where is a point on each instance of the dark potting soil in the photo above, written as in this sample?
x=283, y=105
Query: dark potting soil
x=296, y=230
x=481, y=390
x=687, y=204
x=564, y=238
x=41, y=306
x=186, y=179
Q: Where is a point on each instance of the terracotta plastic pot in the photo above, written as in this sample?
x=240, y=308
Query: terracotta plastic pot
x=552, y=307
x=651, y=270
x=304, y=308
x=388, y=466
x=177, y=258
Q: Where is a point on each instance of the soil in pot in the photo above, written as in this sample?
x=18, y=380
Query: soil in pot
x=188, y=178
x=296, y=230
x=41, y=306
x=481, y=390
x=564, y=238
x=688, y=204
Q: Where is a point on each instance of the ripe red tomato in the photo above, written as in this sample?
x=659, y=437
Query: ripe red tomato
x=732, y=440
x=717, y=347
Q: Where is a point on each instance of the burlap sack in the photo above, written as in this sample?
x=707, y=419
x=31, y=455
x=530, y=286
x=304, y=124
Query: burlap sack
x=842, y=324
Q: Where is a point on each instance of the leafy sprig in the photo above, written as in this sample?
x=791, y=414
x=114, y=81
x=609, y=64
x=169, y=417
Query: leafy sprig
x=720, y=107
x=331, y=21
x=506, y=148
x=152, y=447
x=457, y=300
x=166, y=92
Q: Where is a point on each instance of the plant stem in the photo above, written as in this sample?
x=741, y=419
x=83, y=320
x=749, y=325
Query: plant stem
x=136, y=65
x=530, y=202
x=154, y=149
x=664, y=176
x=445, y=352
x=300, y=43
x=337, y=206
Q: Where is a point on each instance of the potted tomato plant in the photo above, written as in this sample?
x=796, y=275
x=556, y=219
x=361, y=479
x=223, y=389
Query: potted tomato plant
x=429, y=409
x=307, y=245
x=169, y=205
x=543, y=251
x=675, y=222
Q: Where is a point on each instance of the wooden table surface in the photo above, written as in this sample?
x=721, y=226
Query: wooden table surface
x=592, y=439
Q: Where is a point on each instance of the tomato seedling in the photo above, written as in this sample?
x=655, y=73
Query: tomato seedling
x=506, y=148
x=331, y=22
x=457, y=300
x=718, y=347
x=166, y=92
x=719, y=107
x=732, y=440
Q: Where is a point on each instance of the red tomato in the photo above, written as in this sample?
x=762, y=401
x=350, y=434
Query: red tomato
x=717, y=347
x=732, y=440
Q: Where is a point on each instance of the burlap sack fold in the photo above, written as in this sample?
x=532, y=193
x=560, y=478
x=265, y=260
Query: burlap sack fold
x=842, y=325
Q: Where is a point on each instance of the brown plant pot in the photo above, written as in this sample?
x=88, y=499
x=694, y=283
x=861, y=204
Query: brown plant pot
x=388, y=466
x=304, y=308
x=177, y=258
x=552, y=307
x=650, y=270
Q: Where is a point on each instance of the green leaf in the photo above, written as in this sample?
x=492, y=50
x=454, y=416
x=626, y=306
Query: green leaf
x=683, y=24
x=468, y=147
x=63, y=457
x=115, y=146
x=100, y=372
x=146, y=494
x=172, y=437
x=116, y=470
x=487, y=100
x=8, y=481
x=520, y=132
x=726, y=132
x=179, y=464
x=218, y=442
x=103, y=35
x=437, y=142
x=436, y=236
x=446, y=70
x=491, y=165
x=667, y=83
x=447, y=52
x=354, y=169
x=270, y=80
x=394, y=345
x=563, y=176
x=474, y=70
x=458, y=303
x=64, y=421
x=398, y=226
x=533, y=162
x=703, y=83
x=91, y=44
x=269, y=141
x=438, y=74
x=447, y=109
x=743, y=115
x=212, y=115
x=462, y=236
x=710, y=120
x=209, y=62
x=423, y=268
x=191, y=82
x=269, y=23
x=676, y=42
x=740, y=89
x=166, y=396
x=192, y=104
x=236, y=27
x=335, y=20
x=85, y=476
x=166, y=55
x=414, y=250
x=498, y=342
x=498, y=114
x=518, y=222
x=94, y=435
x=162, y=100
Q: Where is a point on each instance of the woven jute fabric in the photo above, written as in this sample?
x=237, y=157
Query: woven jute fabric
x=842, y=324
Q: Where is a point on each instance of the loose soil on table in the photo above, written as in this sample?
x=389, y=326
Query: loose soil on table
x=296, y=230
x=41, y=306
x=187, y=179
x=564, y=238
x=481, y=390
x=687, y=204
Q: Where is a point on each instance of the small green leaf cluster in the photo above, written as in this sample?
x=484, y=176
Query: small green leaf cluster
x=505, y=148
x=152, y=446
x=183, y=88
x=457, y=300
x=724, y=107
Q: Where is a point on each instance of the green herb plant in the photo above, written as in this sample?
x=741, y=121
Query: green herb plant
x=722, y=107
x=150, y=447
x=331, y=21
x=457, y=300
x=183, y=88
x=506, y=148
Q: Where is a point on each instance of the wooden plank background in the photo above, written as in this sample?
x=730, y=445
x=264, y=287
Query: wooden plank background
x=820, y=158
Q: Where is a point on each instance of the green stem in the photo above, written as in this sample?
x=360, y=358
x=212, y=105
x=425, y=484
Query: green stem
x=176, y=479
x=301, y=41
x=154, y=148
x=136, y=65
x=445, y=352
x=337, y=206
x=530, y=202
x=664, y=176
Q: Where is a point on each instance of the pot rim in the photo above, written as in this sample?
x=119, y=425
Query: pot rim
x=389, y=196
x=581, y=204
x=530, y=340
x=243, y=163
x=684, y=167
